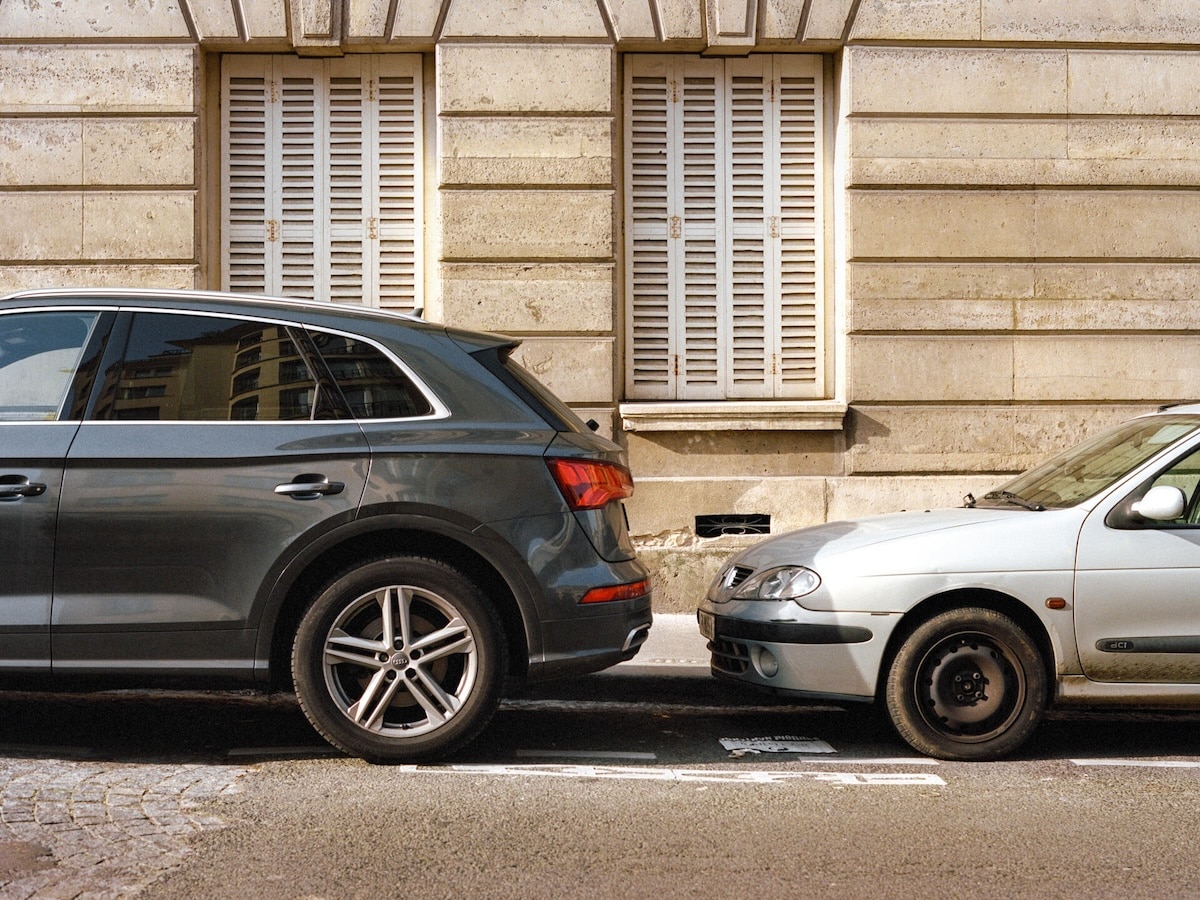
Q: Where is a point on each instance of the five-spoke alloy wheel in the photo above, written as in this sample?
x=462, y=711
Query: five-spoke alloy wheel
x=967, y=684
x=399, y=659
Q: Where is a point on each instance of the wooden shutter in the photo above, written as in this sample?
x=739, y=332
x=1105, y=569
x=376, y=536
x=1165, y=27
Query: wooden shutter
x=700, y=204
x=723, y=255
x=322, y=178
x=246, y=95
x=801, y=370
x=397, y=269
x=650, y=203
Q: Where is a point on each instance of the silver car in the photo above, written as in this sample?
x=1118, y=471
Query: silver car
x=1077, y=583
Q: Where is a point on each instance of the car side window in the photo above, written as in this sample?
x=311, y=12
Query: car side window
x=208, y=368
x=374, y=387
x=39, y=352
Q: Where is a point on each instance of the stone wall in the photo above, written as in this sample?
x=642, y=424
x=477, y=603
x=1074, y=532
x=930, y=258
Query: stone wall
x=97, y=164
x=1012, y=215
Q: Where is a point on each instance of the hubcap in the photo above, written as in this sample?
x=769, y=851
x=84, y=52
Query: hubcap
x=970, y=687
x=400, y=661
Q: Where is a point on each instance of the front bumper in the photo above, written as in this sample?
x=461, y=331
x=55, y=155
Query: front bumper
x=781, y=647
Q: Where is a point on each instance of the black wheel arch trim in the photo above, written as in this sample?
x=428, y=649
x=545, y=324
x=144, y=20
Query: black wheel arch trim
x=453, y=527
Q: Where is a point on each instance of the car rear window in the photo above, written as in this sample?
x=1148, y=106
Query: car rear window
x=373, y=386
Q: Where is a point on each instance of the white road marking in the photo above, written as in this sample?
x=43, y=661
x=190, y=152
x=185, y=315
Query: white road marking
x=1141, y=763
x=586, y=754
x=726, y=776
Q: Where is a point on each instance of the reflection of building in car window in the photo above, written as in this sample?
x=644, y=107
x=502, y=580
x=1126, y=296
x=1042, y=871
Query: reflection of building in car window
x=210, y=369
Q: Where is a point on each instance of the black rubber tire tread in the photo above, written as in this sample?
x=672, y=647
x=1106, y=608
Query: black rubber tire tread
x=904, y=696
x=322, y=710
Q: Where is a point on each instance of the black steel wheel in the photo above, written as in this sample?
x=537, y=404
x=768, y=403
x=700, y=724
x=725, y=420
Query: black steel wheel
x=968, y=684
x=400, y=659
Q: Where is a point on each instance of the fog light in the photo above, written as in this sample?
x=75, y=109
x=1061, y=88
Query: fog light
x=765, y=662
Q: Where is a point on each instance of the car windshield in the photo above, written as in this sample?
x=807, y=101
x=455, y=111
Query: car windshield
x=1091, y=467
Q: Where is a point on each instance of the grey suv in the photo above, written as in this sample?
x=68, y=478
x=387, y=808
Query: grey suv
x=390, y=515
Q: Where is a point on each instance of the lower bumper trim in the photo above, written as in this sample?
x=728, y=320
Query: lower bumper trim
x=789, y=632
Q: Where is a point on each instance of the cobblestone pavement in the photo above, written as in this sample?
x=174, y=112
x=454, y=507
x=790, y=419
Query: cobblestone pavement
x=83, y=829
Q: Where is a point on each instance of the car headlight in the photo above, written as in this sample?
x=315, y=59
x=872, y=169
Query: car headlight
x=783, y=583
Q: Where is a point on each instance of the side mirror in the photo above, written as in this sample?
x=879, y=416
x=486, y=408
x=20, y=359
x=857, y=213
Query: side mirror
x=1162, y=503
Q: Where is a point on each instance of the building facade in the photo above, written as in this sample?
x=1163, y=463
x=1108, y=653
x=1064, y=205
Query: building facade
x=805, y=259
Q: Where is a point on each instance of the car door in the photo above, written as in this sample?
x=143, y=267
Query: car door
x=40, y=353
x=209, y=456
x=1137, y=593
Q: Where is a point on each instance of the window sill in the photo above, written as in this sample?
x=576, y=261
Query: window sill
x=773, y=415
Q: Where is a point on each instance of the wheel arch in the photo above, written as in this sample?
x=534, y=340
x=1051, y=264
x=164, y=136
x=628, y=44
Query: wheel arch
x=305, y=579
x=963, y=598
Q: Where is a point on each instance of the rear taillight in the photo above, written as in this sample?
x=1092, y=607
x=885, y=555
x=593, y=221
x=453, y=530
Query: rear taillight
x=588, y=484
x=630, y=591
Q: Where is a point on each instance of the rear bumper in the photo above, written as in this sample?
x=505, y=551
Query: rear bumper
x=589, y=643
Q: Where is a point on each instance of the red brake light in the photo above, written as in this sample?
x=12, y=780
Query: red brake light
x=630, y=591
x=588, y=484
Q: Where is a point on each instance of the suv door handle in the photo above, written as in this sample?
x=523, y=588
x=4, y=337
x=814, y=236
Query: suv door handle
x=309, y=487
x=14, y=487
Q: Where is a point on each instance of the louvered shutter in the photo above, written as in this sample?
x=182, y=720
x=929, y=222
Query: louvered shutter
x=751, y=307
x=700, y=113
x=801, y=370
x=397, y=269
x=649, y=200
x=723, y=256
x=322, y=178
x=299, y=213
x=247, y=94
x=348, y=181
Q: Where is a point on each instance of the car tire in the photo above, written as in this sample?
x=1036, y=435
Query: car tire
x=401, y=659
x=968, y=684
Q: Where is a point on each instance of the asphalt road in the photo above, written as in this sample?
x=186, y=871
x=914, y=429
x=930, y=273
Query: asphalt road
x=652, y=780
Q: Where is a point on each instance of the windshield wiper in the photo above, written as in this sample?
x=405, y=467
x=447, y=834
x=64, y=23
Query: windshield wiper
x=1016, y=500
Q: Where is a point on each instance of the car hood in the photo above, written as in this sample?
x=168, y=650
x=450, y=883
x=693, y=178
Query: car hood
x=967, y=539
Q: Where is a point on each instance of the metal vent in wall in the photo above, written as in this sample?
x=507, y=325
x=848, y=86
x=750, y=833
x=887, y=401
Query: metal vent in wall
x=730, y=523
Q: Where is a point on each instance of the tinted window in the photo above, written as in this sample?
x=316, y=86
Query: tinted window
x=371, y=383
x=39, y=352
x=202, y=368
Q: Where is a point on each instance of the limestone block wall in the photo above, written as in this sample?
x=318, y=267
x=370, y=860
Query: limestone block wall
x=1021, y=262
x=97, y=163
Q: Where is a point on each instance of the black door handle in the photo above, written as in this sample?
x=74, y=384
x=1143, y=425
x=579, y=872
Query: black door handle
x=14, y=487
x=309, y=487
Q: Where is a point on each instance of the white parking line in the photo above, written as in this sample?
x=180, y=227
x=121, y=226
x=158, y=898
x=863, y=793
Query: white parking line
x=1141, y=763
x=726, y=776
